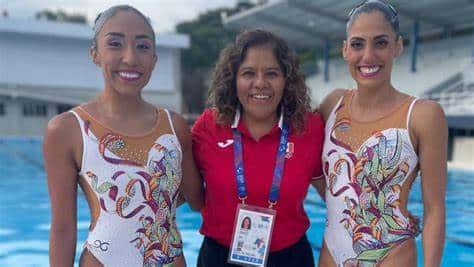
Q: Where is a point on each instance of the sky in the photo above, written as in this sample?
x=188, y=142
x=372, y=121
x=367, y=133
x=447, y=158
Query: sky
x=164, y=14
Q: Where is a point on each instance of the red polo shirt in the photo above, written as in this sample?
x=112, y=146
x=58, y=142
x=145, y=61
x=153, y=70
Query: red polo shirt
x=214, y=155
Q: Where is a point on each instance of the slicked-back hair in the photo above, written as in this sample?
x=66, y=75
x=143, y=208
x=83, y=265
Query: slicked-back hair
x=105, y=15
x=368, y=6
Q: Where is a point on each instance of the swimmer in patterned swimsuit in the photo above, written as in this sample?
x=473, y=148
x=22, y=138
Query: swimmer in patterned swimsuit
x=377, y=140
x=130, y=158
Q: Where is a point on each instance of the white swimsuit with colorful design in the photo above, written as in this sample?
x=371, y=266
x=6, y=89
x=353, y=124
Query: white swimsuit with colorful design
x=131, y=184
x=365, y=166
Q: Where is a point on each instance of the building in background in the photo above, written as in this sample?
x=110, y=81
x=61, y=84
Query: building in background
x=45, y=69
x=438, y=61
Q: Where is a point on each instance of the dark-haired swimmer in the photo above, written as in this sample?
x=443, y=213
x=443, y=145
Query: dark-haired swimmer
x=377, y=140
x=129, y=157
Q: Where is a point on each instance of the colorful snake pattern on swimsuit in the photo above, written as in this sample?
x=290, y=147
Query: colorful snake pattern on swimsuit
x=136, y=195
x=364, y=187
x=158, y=239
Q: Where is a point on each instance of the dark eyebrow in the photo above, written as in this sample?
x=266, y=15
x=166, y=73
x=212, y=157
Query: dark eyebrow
x=357, y=39
x=118, y=34
x=251, y=68
x=245, y=68
x=115, y=34
x=143, y=36
x=274, y=68
x=381, y=36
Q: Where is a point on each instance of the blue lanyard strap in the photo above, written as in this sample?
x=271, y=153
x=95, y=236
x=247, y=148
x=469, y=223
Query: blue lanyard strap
x=277, y=173
x=239, y=164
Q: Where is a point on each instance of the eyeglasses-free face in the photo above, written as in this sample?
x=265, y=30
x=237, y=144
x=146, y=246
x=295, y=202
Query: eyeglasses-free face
x=260, y=84
x=370, y=49
x=125, y=52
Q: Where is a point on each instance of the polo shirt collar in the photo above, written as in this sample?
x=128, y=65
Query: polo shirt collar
x=235, y=124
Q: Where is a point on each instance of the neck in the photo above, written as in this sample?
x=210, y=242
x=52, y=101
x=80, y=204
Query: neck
x=117, y=105
x=373, y=97
x=260, y=127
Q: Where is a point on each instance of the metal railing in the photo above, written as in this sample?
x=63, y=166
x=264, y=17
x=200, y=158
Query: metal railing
x=456, y=102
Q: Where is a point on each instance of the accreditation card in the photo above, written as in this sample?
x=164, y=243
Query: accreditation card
x=251, y=236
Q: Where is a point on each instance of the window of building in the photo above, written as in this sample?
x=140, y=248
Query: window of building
x=63, y=108
x=2, y=109
x=35, y=109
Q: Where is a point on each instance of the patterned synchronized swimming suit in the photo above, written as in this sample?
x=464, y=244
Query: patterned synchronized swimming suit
x=131, y=184
x=366, y=165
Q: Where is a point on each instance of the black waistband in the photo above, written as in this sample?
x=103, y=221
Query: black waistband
x=213, y=254
x=211, y=242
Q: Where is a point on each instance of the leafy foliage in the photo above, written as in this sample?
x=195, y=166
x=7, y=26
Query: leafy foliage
x=208, y=37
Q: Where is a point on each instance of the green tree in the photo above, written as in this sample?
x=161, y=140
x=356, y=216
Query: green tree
x=208, y=37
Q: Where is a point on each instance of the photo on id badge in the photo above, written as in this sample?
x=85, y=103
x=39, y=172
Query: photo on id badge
x=251, y=236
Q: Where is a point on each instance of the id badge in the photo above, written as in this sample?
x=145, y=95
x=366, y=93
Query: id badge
x=251, y=236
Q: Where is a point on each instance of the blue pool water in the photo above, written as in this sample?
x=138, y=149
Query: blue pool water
x=25, y=214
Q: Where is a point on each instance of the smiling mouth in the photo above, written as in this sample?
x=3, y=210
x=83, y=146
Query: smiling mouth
x=129, y=75
x=260, y=97
x=369, y=71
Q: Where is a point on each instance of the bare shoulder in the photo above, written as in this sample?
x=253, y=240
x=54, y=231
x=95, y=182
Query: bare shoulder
x=181, y=127
x=63, y=141
x=179, y=122
x=330, y=101
x=428, y=117
x=425, y=111
x=63, y=126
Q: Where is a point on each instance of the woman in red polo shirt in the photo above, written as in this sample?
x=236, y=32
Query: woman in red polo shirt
x=258, y=150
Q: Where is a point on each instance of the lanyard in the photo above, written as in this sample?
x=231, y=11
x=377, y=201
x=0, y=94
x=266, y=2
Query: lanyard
x=277, y=173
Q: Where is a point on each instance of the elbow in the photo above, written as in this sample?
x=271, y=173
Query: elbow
x=196, y=208
x=194, y=196
x=434, y=211
x=196, y=205
x=63, y=231
x=64, y=227
x=435, y=217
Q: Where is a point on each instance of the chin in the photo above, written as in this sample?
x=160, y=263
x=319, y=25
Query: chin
x=129, y=91
x=370, y=82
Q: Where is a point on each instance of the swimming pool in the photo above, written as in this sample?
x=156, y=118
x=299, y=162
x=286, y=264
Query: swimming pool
x=25, y=215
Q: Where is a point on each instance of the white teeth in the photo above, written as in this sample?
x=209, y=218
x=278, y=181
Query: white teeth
x=129, y=75
x=260, y=97
x=369, y=70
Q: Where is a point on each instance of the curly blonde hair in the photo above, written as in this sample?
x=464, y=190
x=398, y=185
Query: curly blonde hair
x=295, y=101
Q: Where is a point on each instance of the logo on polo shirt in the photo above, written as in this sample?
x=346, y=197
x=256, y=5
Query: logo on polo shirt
x=290, y=149
x=225, y=144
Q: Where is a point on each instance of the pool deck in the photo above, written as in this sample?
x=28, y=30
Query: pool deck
x=461, y=165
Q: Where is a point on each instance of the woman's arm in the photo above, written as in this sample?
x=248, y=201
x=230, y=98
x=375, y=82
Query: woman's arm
x=61, y=169
x=430, y=128
x=192, y=184
x=320, y=186
x=317, y=133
